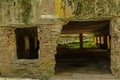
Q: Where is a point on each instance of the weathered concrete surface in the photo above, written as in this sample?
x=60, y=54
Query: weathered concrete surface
x=48, y=44
x=85, y=9
x=25, y=68
x=7, y=49
x=115, y=46
x=16, y=12
x=32, y=13
x=21, y=12
x=42, y=67
x=9, y=64
x=45, y=12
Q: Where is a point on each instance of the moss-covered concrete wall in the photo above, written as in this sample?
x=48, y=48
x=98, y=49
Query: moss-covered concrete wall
x=87, y=9
x=48, y=37
x=19, y=12
x=10, y=65
x=115, y=46
x=43, y=67
x=46, y=14
x=16, y=12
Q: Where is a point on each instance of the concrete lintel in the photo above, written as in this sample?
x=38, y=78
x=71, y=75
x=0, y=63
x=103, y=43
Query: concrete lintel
x=18, y=25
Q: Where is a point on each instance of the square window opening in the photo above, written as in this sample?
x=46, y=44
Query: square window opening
x=27, y=43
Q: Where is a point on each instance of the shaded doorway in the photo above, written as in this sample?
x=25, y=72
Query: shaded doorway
x=27, y=43
x=86, y=59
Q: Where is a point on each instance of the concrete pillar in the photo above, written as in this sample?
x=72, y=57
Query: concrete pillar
x=108, y=42
x=98, y=39
x=98, y=42
x=105, y=41
x=81, y=40
x=115, y=45
x=95, y=40
x=48, y=36
x=102, y=40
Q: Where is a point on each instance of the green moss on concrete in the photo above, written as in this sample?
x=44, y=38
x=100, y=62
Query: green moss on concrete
x=78, y=9
x=87, y=9
x=26, y=10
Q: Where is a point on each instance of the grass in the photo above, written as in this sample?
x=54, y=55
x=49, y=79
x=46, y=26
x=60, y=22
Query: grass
x=76, y=45
x=72, y=41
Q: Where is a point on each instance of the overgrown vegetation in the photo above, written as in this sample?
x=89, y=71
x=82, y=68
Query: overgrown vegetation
x=88, y=41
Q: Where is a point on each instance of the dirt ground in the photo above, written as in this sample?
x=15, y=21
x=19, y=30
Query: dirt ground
x=83, y=64
x=94, y=61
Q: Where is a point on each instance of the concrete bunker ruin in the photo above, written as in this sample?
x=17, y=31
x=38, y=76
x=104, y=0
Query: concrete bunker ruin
x=47, y=35
x=44, y=25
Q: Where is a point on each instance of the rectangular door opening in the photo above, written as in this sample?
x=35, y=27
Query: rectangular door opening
x=84, y=47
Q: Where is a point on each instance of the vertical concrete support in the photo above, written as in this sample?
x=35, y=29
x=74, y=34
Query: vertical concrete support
x=48, y=37
x=98, y=39
x=102, y=40
x=105, y=41
x=81, y=40
x=95, y=40
x=115, y=46
x=98, y=42
x=108, y=42
x=7, y=49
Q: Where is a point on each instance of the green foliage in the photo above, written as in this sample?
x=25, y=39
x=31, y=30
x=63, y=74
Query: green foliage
x=88, y=44
x=74, y=45
x=45, y=77
x=72, y=41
